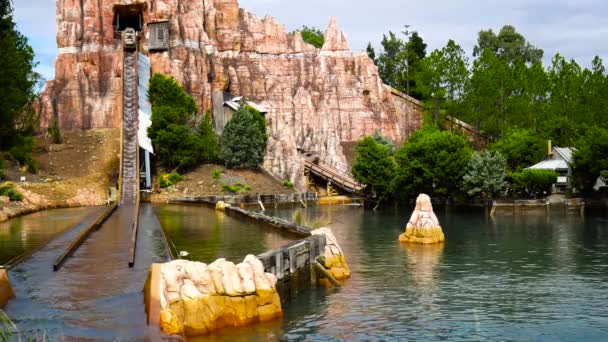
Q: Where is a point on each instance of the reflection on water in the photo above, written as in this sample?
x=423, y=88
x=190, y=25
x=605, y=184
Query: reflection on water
x=506, y=278
x=26, y=233
x=208, y=235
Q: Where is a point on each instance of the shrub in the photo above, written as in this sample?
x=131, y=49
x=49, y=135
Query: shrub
x=532, y=183
x=432, y=162
x=31, y=165
x=9, y=191
x=312, y=36
x=485, y=175
x=288, y=184
x=23, y=149
x=55, y=132
x=243, y=141
x=237, y=187
x=165, y=91
x=216, y=174
x=169, y=179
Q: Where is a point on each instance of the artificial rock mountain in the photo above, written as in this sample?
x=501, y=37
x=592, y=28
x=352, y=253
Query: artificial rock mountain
x=317, y=99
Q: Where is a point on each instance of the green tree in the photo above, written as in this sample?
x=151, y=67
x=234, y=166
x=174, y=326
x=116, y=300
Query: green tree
x=312, y=36
x=442, y=78
x=209, y=139
x=433, y=162
x=164, y=90
x=590, y=159
x=485, y=175
x=17, y=79
x=375, y=168
x=371, y=52
x=177, y=142
x=521, y=148
x=243, y=142
x=509, y=45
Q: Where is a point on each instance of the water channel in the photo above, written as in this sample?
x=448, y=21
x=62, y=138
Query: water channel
x=529, y=277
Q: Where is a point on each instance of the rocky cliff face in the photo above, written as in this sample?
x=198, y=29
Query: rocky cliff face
x=317, y=98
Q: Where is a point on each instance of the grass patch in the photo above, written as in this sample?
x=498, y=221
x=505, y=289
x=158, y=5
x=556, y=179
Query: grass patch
x=288, y=184
x=236, y=188
x=216, y=174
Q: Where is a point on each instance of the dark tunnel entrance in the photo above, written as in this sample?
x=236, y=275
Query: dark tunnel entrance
x=128, y=16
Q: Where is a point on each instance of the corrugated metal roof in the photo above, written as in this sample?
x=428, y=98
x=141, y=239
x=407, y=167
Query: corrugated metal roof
x=554, y=164
x=565, y=152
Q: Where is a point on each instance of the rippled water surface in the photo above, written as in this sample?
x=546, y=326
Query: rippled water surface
x=24, y=234
x=508, y=278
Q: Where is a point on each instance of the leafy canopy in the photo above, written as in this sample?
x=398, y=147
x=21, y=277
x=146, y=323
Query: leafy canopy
x=177, y=142
x=590, y=159
x=433, y=162
x=375, y=167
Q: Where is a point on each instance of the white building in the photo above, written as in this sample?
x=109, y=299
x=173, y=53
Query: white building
x=558, y=160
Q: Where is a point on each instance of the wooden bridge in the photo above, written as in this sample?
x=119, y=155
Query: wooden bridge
x=338, y=174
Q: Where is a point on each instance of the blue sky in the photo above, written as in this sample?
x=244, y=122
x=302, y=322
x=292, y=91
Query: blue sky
x=575, y=29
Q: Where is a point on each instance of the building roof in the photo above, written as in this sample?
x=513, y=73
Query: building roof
x=560, y=160
x=553, y=164
x=235, y=104
x=565, y=152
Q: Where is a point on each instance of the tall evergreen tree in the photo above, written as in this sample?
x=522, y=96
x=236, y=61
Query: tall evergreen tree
x=17, y=77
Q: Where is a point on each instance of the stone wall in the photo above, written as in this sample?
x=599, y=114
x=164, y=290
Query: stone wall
x=317, y=98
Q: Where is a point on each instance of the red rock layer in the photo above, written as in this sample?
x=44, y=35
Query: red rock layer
x=317, y=98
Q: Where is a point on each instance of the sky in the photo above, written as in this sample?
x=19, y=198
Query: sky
x=576, y=29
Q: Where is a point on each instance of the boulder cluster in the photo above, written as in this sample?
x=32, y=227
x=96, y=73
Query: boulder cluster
x=197, y=298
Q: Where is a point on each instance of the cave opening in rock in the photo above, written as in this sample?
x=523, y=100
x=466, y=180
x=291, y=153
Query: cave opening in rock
x=128, y=16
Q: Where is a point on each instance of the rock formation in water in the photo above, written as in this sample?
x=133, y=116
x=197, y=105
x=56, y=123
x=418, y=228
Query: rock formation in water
x=334, y=257
x=423, y=226
x=196, y=298
x=6, y=291
x=317, y=99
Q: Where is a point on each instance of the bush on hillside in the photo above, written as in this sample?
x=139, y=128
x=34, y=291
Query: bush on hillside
x=9, y=191
x=169, y=179
x=243, y=141
x=312, y=36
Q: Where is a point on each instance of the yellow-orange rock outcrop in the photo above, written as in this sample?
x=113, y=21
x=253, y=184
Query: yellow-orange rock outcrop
x=6, y=291
x=423, y=227
x=195, y=298
x=334, y=257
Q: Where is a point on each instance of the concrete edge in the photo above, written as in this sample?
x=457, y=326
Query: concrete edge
x=152, y=295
